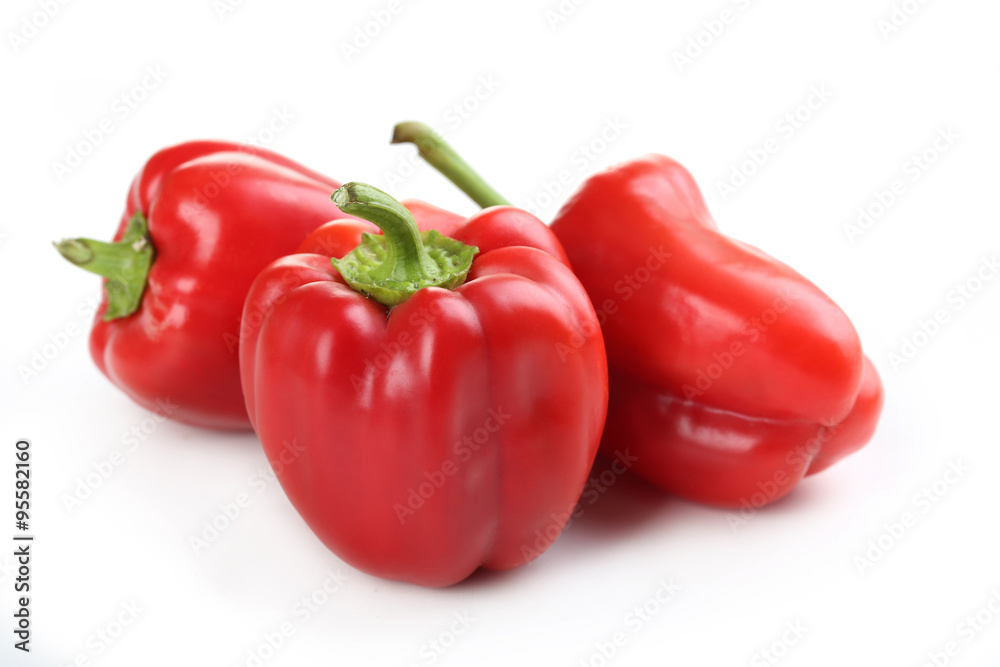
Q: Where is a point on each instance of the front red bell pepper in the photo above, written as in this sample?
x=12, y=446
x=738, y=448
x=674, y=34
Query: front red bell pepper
x=202, y=219
x=424, y=421
x=732, y=376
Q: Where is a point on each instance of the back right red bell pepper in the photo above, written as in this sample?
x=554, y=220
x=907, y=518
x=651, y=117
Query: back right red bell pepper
x=732, y=376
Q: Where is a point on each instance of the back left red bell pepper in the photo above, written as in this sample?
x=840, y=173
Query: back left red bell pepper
x=202, y=219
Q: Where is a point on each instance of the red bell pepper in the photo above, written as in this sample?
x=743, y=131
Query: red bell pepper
x=745, y=376
x=424, y=421
x=732, y=376
x=202, y=219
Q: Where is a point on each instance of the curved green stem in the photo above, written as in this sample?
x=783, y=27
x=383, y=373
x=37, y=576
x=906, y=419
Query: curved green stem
x=125, y=264
x=443, y=157
x=395, y=265
x=406, y=258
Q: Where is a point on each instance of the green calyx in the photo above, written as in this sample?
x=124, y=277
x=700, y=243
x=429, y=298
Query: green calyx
x=393, y=266
x=124, y=263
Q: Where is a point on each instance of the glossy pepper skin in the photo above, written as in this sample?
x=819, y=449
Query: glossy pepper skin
x=217, y=212
x=452, y=431
x=732, y=376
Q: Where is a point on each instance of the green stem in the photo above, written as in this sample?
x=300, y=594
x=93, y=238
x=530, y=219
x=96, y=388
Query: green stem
x=125, y=264
x=393, y=266
x=443, y=157
x=406, y=258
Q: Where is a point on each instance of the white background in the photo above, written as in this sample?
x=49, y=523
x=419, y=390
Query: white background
x=555, y=88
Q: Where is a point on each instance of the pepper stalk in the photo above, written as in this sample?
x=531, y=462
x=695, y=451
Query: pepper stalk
x=393, y=266
x=125, y=264
x=443, y=157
